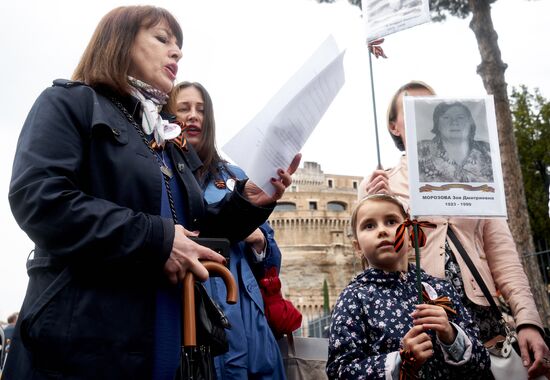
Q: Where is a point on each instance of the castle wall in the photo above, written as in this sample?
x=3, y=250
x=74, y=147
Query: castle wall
x=311, y=224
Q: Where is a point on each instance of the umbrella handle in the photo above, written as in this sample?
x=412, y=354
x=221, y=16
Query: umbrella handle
x=188, y=298
x=227, y=277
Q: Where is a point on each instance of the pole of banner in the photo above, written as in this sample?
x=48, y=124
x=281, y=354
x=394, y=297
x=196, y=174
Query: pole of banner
x=374, y=109
x=417, y=256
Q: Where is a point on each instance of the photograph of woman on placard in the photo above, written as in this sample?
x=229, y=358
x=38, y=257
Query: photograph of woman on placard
x=459, y=150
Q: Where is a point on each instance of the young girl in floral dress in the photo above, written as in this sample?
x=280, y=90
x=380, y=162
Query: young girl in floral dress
x=378, y=329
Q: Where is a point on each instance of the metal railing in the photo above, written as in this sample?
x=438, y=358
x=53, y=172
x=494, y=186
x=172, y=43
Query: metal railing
x=315, y=328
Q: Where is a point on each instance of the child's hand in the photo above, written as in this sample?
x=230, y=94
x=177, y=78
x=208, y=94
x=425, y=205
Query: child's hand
x=432, y=317
x=419, y=344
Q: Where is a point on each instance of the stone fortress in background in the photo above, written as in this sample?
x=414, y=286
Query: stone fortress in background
x=312, y=228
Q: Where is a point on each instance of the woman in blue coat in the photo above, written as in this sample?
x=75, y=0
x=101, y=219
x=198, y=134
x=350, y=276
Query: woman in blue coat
x=109, y=201
x=253, y=350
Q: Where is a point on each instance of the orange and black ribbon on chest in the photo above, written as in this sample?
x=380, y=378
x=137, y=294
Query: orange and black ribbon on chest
x=180, y=140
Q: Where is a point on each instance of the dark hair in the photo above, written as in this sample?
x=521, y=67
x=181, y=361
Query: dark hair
x=107, y=57
x=392, y=108
x=206, y=148
x=441, y=108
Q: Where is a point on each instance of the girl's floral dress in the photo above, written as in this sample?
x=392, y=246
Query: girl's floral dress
x=371, y=317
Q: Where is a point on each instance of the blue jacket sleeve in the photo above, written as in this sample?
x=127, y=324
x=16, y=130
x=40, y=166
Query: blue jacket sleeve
x=273, y=253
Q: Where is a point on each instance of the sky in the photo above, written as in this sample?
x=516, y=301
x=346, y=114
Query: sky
x=244, y=51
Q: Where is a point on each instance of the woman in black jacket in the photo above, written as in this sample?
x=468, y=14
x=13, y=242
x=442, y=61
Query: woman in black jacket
x=110, y=200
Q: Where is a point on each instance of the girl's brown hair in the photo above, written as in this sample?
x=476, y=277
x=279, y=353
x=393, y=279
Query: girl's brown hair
x=106, y=60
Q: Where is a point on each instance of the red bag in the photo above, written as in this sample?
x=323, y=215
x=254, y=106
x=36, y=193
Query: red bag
x=282, y=316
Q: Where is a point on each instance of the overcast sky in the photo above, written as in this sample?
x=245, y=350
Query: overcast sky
x=243, y=51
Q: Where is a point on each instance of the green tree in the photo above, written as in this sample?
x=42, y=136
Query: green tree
x=491, y=69
x=531, y=115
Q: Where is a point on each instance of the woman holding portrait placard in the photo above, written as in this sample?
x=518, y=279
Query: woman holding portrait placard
x=488, y=243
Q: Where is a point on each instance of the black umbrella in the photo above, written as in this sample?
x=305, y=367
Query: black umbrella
x=204, y=325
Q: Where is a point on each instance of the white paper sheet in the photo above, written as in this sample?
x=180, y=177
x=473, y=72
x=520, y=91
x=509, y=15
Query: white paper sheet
x=438, y=185
x=385, y=17
x=279, y=131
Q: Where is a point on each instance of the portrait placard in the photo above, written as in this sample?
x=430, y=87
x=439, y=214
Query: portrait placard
x=453, y=157
x=385, y=17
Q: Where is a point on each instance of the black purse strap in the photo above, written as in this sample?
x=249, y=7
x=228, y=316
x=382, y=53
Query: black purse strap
x=474, y=272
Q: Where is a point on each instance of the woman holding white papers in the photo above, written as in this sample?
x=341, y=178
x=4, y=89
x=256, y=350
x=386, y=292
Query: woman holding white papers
x=253, y=350
x=488, y=242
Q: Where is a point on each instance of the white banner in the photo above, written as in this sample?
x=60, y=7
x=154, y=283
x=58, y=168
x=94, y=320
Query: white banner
x=385, y=17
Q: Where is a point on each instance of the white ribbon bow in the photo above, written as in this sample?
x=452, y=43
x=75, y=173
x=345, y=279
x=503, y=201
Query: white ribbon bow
x=152, y=122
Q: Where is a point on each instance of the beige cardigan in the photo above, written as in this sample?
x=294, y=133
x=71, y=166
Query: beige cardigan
x=490, y=246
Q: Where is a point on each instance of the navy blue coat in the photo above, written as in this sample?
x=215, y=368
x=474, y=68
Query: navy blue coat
x=87, y=191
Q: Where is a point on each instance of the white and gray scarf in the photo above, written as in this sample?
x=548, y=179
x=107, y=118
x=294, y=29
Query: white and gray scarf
x=152, y=101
